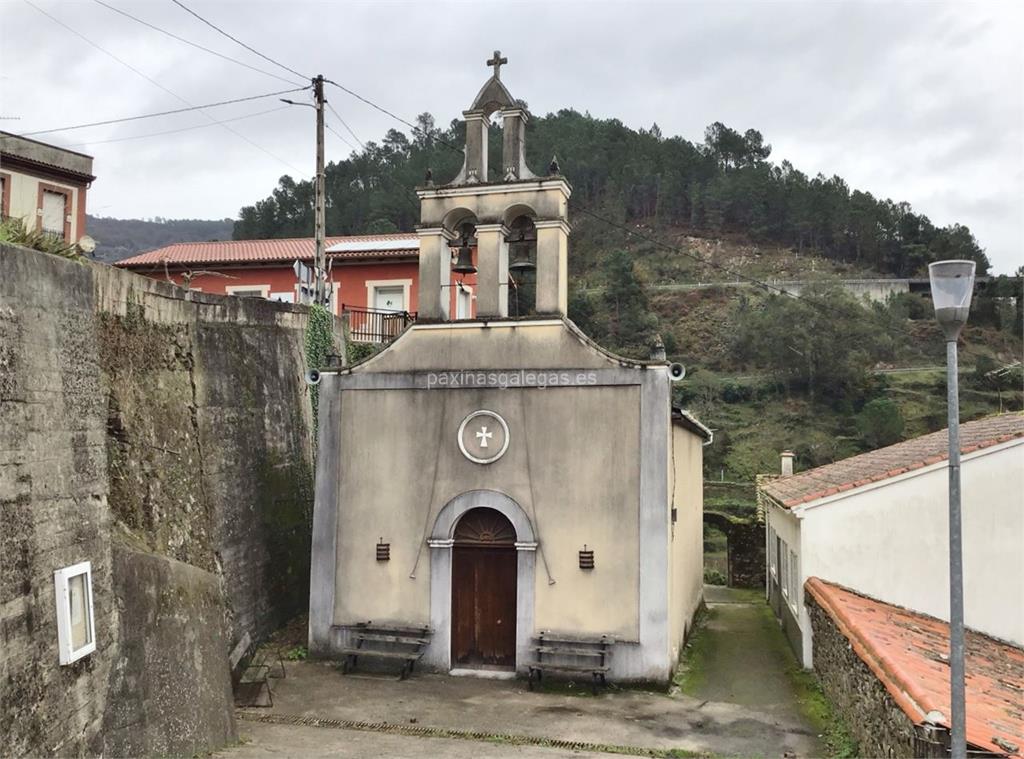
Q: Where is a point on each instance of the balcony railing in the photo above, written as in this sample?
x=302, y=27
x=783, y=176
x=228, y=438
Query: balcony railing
x=374, y=325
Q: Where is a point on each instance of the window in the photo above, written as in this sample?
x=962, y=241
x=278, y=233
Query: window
x=389, y=298
x=54, y=212
x=284, y=297
x=772, y=554
x=794, y=577
x=388, y=294
x=76, y=633
x=783, y=568
x=5, y=195
x=248, y=291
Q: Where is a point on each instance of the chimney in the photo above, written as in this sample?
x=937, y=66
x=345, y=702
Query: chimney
x=787, y=463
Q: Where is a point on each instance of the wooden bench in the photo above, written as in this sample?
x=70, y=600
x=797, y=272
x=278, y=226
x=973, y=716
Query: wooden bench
x=252, y=667
x=388, y=642
x=572, y=655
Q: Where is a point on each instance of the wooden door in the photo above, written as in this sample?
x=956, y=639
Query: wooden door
x=484, y=568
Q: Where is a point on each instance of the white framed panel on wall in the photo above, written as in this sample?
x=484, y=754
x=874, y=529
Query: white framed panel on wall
x=379, y=289
x=76, y=625
x=464, y=302
x=248, y=291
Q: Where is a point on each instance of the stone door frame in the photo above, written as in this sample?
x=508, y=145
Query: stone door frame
x=441, y=541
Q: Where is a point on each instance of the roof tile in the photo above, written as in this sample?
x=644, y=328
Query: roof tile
x=881, y=464
x=271, y=251
x=909, y=653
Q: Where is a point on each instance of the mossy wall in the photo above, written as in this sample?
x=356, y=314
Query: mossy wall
x=170, y=429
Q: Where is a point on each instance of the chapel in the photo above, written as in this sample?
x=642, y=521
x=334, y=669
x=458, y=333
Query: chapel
x=495, y=478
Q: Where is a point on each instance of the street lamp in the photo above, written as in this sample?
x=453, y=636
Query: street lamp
x=952, y=284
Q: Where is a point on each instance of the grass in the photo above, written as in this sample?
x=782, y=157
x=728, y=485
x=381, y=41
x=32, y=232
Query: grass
x=692, y=674
x=818, y=710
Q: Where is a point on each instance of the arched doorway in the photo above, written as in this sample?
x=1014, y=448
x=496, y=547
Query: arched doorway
x=484, y=569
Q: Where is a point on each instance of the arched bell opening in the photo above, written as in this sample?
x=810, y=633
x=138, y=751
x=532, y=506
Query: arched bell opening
x=522, y=266
x=464, y=259
x=484, y=590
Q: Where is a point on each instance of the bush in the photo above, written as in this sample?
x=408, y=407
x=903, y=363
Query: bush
x=880, y=423
x=14, y=231
x=714, y=577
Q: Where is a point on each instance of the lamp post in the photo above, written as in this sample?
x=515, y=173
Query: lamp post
x=952, y=283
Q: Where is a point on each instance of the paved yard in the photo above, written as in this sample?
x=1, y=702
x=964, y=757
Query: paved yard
x=736, y=702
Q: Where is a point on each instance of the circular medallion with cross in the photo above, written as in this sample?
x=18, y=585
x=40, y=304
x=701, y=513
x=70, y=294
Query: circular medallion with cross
x=483, y=437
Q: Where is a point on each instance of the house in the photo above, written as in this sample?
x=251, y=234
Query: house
x=373, y=278
x=486, y=481
x=877, y=523
x=44, y=185
x=886, y=669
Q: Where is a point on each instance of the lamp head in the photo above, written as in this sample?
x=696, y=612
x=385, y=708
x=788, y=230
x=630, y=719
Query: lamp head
x=952, y=285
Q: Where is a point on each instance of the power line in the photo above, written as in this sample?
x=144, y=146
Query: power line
x=161, y=113
x=126, y=14
x=176, y=131
x=344, y=124
x=340, y=136
x=162, y=87
x=235, y=39
x=397, y=118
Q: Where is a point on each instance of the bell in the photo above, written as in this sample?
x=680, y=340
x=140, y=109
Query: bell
x=464, y=263
x=521, y=261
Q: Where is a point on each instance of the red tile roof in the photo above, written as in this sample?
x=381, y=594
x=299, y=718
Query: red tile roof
x=272, y=251
x=883, y=463
x=909, y=654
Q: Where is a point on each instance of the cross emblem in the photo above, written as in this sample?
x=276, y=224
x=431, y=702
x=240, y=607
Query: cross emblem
x=484, y=436
x=496, y=62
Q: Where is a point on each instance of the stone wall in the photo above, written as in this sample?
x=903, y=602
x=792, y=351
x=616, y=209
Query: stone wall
x=745, y=548
x=875, y=720
x=162, y=435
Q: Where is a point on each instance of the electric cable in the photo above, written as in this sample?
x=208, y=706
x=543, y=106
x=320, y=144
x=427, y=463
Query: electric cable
x=156, y=28
x=159, y=113
x=235, y=39
x=160, y=86
x=176, y=131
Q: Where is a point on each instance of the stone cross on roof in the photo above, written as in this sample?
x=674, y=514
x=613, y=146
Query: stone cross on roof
x=496, y=62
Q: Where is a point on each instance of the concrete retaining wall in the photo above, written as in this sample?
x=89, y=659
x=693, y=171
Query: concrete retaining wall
x=163, y=435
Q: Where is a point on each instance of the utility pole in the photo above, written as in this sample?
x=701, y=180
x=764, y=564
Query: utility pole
x=320, y=211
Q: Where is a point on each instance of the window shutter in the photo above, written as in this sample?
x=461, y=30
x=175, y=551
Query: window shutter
x=54, y=212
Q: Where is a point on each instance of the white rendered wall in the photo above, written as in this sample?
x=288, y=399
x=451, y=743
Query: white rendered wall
x=25, y=199
x=890, y=542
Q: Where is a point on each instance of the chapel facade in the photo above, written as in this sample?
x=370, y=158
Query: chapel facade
x=494, y=478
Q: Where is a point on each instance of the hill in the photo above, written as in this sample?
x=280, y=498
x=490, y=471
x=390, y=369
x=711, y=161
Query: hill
x=827, y=375
x=121, y=238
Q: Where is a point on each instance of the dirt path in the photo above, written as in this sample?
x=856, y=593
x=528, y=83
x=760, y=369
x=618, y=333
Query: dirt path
x=740, y=656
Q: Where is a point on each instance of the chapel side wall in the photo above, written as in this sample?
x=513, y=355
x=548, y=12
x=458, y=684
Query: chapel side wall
x=912, y=549
x=395, y=482
x=687, y=534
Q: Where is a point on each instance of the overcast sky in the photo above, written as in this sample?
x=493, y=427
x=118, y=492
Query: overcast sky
x=915, y=101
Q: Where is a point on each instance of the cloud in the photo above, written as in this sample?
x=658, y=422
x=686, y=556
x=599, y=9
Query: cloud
x=918, y=102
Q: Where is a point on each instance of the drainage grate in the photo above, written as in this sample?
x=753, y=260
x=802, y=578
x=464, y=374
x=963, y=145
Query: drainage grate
x=420, y=731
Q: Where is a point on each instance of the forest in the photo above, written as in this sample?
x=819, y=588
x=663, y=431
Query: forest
x=825, y=374
x=121, y=238
x=725, y=184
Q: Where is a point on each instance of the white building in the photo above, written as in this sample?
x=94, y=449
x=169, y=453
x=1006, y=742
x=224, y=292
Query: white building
x=45, y=186
x=877, y=524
